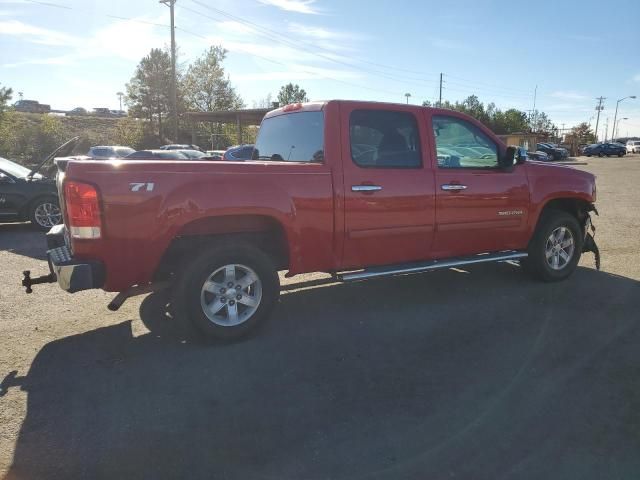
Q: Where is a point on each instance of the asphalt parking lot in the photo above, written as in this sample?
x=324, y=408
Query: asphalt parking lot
x=479, y=374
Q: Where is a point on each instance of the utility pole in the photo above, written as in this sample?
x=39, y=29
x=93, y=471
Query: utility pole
x=407, y=95
x=174, y=96
x=533, y=112
x=599, y=108
x=20, y=94
x=562, y=133
x=440, y=101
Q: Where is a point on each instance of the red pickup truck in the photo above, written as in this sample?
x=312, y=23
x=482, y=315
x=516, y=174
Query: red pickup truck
x=357, y=189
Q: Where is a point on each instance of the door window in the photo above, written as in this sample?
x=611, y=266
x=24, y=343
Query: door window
x=460, y=144
x=384, y=139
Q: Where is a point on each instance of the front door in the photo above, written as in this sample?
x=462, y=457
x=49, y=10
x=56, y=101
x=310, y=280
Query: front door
x=479, y=206
x=10, y=196
x=388, y=184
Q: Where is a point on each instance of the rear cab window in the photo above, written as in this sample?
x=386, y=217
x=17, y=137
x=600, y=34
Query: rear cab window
x=291, y=137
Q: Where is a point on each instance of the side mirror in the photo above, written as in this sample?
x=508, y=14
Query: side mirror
x=521, y=155
x=513, y=156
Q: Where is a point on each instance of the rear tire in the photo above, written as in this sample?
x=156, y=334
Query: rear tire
x=228, y=291
x=556, y=247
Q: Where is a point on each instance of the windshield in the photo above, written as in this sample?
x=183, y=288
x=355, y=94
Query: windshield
x=294, y=137
x=13, y=168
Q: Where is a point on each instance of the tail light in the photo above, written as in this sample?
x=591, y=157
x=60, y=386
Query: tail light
x=83, y=210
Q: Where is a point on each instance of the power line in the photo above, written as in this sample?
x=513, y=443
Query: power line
x=278, y=37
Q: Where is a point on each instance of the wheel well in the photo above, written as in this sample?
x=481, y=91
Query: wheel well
x=576, y=207
x=262, y=232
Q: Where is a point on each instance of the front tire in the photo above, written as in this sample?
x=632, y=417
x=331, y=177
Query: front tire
x=45, y=213
x=228, y=291
x=556, y=247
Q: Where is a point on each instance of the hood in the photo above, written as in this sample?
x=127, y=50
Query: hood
x=65, y=149
x=564, y=177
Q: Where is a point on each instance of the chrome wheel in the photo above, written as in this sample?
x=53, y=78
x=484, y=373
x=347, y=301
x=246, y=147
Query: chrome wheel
x=231, y=295
x=47, y=215
x=559, y=248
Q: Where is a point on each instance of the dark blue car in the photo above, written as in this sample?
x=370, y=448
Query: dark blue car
x=605, y=149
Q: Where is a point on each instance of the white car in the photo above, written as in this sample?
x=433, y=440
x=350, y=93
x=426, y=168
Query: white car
x=633, y=146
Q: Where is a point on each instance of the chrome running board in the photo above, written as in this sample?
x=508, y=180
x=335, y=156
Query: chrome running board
x=421, y=267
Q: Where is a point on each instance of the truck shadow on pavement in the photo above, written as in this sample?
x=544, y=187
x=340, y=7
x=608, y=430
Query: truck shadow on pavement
x=482, y=375
x=23, y=239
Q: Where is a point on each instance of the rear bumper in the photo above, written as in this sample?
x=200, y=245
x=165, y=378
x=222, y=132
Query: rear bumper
x=72, y=275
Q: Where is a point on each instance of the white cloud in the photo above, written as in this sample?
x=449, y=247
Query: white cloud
x=297, y=73
x=33, y=34
x=122, y=39
x=298, y=6
x=637, y=78
x=568, y=95
x=316, y=32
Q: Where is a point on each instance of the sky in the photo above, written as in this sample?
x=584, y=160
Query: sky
x=79, y=53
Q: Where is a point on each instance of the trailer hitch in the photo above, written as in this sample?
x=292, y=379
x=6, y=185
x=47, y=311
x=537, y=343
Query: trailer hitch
x=28, y=282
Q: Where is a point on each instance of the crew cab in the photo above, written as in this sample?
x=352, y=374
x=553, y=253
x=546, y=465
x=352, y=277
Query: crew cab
x=357, y=189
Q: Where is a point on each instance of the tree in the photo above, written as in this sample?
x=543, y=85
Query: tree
x=583, y=133
x=205, y=86
x=291, y=93
x=509, y=121
x=541, y=123
x=266, y=102
x=5, y=96
x=148, y=92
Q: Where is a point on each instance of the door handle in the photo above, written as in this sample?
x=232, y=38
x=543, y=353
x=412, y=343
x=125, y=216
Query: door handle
x=453, y=187
x=365, y=188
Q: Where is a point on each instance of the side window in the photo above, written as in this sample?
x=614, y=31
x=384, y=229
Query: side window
x=384, y=139
x=460, y=144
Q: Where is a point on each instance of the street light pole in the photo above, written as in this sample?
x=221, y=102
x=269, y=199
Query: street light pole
x=613, y=136
x=120, y=95
x=174, y=95
x=407, y=95
x=616, y=126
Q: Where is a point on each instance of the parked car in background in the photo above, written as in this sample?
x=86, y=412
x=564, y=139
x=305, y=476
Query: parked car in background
x=633, y=146
x=31, y=106
x=605, y=150
x=554, y=153
x=181, y=146
x=192, y=154
x=28, y=195
x=157, y=155
x=538, y=156
x=118, y=113
x=77, y=111
x=106, y=152
x=238, y=153
x=216, y=154
x=102, y=112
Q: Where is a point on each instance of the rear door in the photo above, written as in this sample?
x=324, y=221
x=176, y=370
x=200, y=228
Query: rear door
x=479, y=207
x=388, y=184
